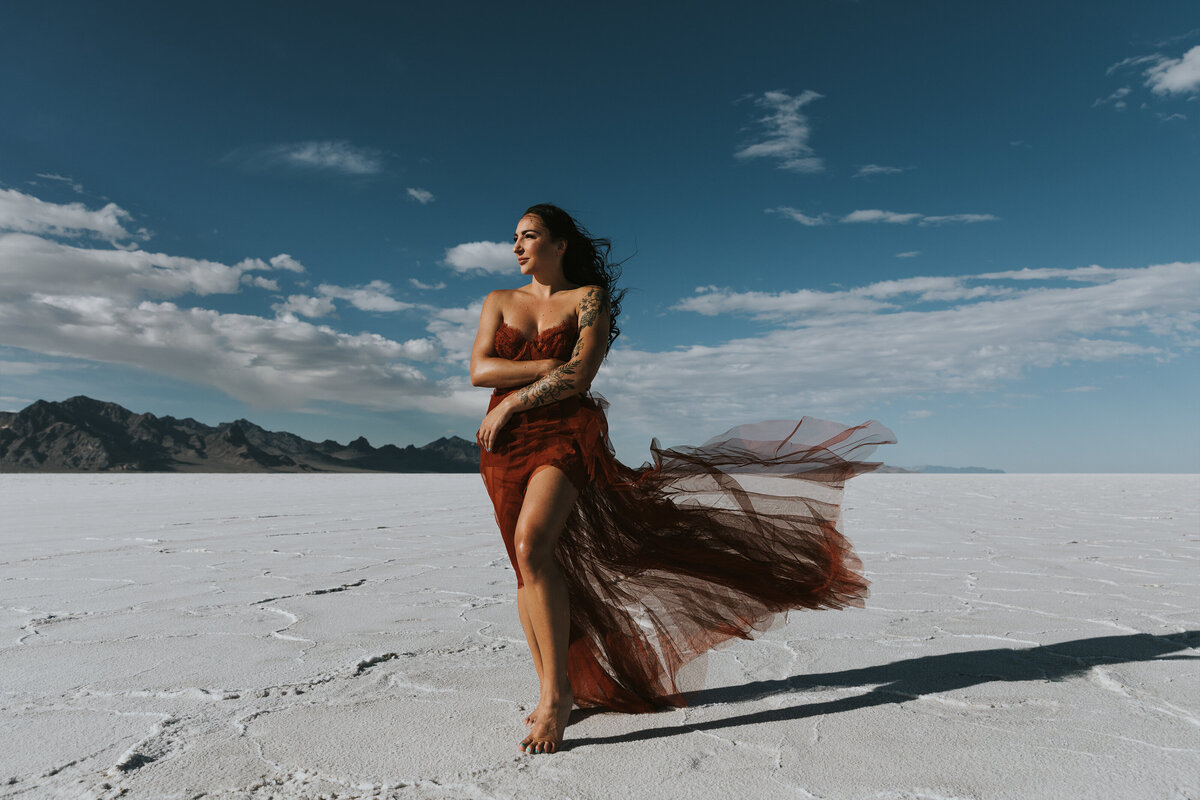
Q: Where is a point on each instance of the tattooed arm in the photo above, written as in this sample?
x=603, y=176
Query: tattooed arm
x=572, y=378
x=492, y=371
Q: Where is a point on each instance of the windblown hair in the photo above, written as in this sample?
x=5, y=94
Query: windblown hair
x=586, y=260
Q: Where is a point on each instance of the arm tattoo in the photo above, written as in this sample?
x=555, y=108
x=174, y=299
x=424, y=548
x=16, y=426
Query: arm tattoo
x=589, y=307
x=562, y=382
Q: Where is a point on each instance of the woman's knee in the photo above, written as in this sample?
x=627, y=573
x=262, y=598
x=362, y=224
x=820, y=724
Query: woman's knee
x=534, y=551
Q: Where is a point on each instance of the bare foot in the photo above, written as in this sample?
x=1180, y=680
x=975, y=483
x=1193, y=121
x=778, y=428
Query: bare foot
x=533, y=715
x=548, y=726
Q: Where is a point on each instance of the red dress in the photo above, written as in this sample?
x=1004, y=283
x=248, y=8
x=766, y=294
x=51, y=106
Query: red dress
x=703, y=545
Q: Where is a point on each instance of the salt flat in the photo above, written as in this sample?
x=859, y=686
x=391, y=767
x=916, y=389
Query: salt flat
x=304, y=636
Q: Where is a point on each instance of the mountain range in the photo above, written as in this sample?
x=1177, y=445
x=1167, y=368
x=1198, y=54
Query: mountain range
x=86, y=435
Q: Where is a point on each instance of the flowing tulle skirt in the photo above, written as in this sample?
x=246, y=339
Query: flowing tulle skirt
x=699, y=546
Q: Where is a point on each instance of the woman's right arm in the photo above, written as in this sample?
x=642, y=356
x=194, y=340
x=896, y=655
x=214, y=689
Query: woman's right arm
x=492, y=371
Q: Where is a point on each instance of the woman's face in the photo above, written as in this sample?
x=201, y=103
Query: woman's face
x=536, y=251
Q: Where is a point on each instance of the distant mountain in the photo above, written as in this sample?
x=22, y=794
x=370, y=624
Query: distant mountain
x=930, y=469
x=86, y=435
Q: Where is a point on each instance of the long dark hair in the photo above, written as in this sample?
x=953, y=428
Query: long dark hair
x=586, y=261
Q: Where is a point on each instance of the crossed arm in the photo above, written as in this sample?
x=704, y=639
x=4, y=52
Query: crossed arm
x=552, y=380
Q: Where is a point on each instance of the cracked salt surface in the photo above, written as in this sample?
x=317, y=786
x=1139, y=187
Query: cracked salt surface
x=1027, y=636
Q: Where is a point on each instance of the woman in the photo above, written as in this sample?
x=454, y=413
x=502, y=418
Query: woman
x=625, y=576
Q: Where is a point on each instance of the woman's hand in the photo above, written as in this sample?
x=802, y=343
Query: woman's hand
x=493, y=423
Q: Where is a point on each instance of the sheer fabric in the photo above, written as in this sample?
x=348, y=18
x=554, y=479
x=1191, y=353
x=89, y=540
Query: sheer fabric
x=700, y=546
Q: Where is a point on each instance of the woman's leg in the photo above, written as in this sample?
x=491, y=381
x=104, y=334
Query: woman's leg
x=531, y=638
x=549, y=498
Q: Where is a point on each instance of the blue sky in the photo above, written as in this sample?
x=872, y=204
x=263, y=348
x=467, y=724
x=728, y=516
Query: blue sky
x=979, y=224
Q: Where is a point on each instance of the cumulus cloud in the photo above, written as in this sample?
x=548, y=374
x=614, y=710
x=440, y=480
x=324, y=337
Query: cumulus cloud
x=285, y=262
x=130, y=307
x=279, y=363
x=421, y=195
x=1165, y=76
x=784, y=132
x=304, y=305
x=260, y=282
x=427, y=286
x=1176, y=75
x=838, y=356
x=908, y=254
x=29, y=214
x=481, y=257
x=375, y=296
x=32, y=263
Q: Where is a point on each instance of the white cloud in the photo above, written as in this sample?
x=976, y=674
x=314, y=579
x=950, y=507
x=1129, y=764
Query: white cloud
x=75, y=185
x=785, y=132
x=1083, y=389
x=1091, y=274
x=908, y=254
x=876, y=215
x=421, y=195
x=965, y=218
x=260, y=282
x=285, y=262
x=325, y=156
x=873, y=215
x=427, y=286
x=277, y=363
x=777, y=305
x=919, y=413
x=455, y=328
x=1176, y=75
x=895, y=218
x=840, y=359
x=31, y=264
x=111, y=306
x=481, y=257
x=800, y=216
x=803, y=305
x=1116, y=99
x=305, y=306
x=867, y=170
x=375, y=296
x=1165, y=76
x=29, y=214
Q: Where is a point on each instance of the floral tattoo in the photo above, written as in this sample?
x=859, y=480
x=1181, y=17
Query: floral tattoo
x=562, y=382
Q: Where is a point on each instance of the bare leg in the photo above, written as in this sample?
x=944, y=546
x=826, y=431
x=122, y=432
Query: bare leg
x=549, y=498
x=527, y=625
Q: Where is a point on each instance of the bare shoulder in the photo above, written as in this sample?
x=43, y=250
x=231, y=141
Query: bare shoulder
x=498, y=299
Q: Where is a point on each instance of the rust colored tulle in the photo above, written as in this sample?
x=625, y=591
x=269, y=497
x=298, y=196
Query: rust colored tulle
x=700, y=546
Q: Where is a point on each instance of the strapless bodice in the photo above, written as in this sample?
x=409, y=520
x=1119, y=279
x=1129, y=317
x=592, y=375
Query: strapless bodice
x=556, y=342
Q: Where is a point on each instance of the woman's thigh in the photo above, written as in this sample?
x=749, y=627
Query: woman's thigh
x=549, y=498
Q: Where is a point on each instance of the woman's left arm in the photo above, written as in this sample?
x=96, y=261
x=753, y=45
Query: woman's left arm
x=573, y=377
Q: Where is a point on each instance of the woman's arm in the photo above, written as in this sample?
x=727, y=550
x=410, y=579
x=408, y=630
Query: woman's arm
x=487, y=368
x=573, y=377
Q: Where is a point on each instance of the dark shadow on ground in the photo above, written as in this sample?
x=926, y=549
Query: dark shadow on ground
x=905, y=680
